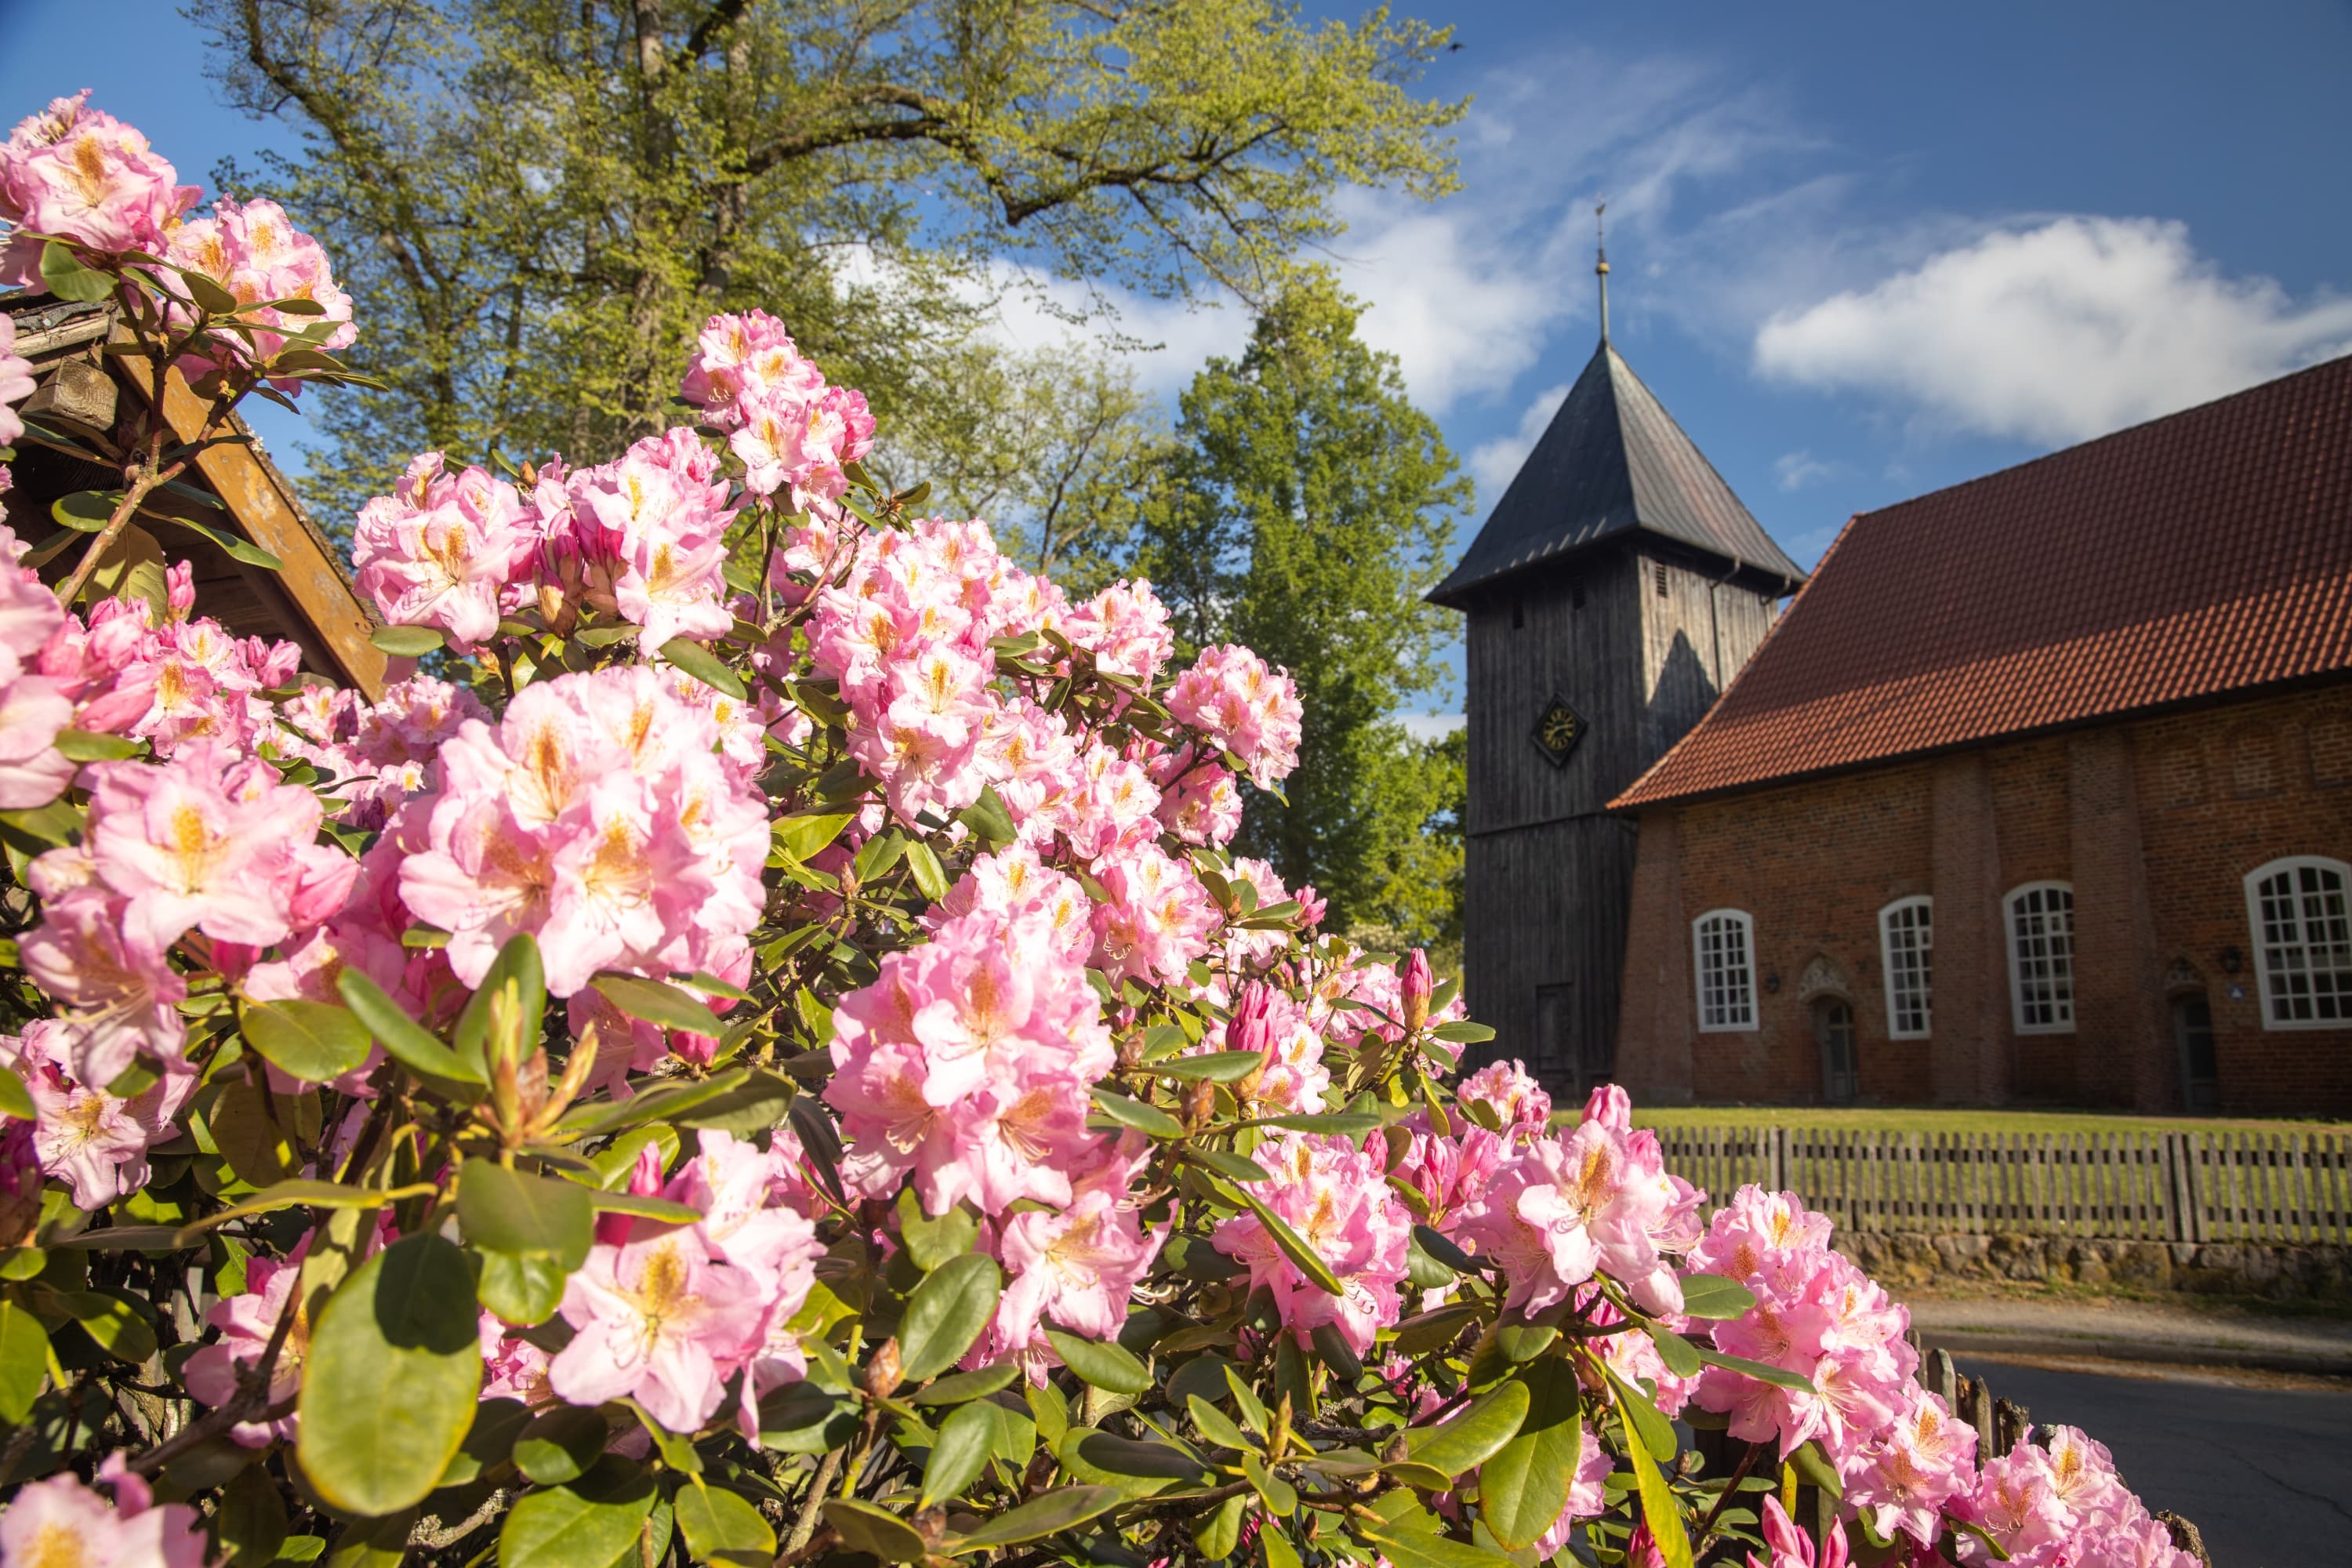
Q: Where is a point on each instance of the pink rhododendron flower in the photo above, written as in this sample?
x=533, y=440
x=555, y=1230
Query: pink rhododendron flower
x=93, y=1141
x=16, y=382
x=1563, y=1208
x=1790, y=1547
x=61, y=1523
x=436, y=551
x=1333, y=1194
x=662, y=1320
x=246, y=1322
x=1924, y=1460
x=1512, y=1093
x=1252, y=712
x=83, y=175
x=117, y=1000
x=256, y=255
x=33, y=709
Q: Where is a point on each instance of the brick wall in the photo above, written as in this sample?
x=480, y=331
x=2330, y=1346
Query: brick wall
x=2156, y=822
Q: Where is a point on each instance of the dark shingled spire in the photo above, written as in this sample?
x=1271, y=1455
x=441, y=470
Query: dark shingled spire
x=1612, y=462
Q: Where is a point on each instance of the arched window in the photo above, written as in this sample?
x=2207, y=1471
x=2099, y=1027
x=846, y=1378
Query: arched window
x=1906, y=940
x=1725, y=946
x=2303, y=937
x=2042, y=958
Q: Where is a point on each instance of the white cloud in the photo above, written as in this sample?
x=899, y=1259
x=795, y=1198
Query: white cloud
x=1795, y=470
x=2056, y=333
x=1492, y=463
x=1431, y=726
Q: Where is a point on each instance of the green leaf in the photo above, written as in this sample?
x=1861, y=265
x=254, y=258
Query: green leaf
x=513, y=1211
x=1815, y=1470
x=1280, y=1497
x=407, y=642
x=572, y=1527
x=1216, y=1425
x=931, y=1242
x=1474, y=1437
x=311, y=1041
x=236, y=547
x=722, y=1526
x=117, y=1326
x=1217, y=1067
x=1293, y=1247
x=801, y=837
x=1632, y=1405
x=976, y=1384
x=405, y=1040
x=1231, y=1166
x=208, y=295
x=490, y=1441
x=1345, y=1124
x=560, y=1445
x=1523, y=1489
x=1137, y=1468
x=643, y=1205
x=656, y=1002
x=1779, y=1378
x=1413, y=1549
x=988, y=819
x=1714, y=1297
x=24, y=1360
x=930, y=878
x=64, y=275
x=517, y=968
x=1108, y=1366
x=1279, y=1551
x=1245, y=1400
x=704, y=666
x=966, y=1440
x=251, y=1519
x=1681, y=1358
x=15, y=1100
x=1048, y=1514
x=1217, y=1533
x=1145, y=1118
x=1658, y=1510
x=86, y=512
x=84, y=746
x=872, y=1530
x=1332, y=1349
x=945, y=1314
x=1463, y=1033
x=392, y=1375
x=302, y=1193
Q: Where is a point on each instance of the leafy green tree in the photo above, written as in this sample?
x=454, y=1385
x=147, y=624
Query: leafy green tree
x=536, y=202
x=1310, y=507
x=1056, y=448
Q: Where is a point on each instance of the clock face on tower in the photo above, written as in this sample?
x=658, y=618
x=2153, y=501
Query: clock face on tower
x=1558, y=732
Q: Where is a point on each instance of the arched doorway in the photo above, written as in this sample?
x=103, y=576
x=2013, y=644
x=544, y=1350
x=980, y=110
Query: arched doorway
x=1834, y=1033
x=2192, y=1031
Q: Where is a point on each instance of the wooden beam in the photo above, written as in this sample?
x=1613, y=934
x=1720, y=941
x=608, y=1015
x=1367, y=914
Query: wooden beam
x=266, y=512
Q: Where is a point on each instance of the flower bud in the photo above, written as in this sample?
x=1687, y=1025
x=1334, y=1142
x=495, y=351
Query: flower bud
x=882, y=1372
x=1418, y=985
x=1200, y=1103
x=1251, y=1028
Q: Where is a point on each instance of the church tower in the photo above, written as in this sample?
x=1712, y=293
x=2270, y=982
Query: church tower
x=1613, y=593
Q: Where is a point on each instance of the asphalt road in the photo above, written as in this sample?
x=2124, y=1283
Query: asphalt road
x=2264, y=1472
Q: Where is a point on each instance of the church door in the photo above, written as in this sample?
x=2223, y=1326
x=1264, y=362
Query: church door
x=2192, y=1028
x=1834, y=1033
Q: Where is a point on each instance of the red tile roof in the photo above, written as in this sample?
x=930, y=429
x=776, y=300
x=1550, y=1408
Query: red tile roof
x=2198, y=554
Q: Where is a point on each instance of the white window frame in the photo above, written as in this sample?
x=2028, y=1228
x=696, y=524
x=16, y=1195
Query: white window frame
x=2056, y=961
x=1896, y=1028
x=1735, y=1010
x=2339, y=973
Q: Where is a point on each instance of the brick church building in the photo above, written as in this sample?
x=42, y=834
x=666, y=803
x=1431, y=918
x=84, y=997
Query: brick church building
x=2039, y=791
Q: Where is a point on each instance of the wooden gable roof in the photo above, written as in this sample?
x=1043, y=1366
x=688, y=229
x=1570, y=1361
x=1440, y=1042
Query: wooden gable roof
x=79, y=399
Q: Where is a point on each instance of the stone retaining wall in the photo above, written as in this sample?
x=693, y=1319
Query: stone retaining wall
x=1904, y=1258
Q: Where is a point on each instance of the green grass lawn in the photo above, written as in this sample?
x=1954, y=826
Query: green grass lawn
x=1907, y=1118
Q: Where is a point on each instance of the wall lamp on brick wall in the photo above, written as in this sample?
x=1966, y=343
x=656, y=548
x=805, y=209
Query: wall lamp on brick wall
x=2231, y=960
x=1772, y=984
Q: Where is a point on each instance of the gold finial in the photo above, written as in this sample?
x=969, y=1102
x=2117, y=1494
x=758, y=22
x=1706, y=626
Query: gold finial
x=1601, y=263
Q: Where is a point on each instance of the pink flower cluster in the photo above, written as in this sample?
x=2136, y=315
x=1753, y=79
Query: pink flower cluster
x=16, y=385
x=258, y=257
x=966, y=1064
x=61, y=1522
x=2056, y=1501
x=205, y=843
x=439, y=548
x=1562, y=1208
x=32, y=707
x=1243, y=706
x=599, y=815
x=80, y=175
x=93, y=1141
x=793, y=433
x=1335, y=1195
x=669, y=1314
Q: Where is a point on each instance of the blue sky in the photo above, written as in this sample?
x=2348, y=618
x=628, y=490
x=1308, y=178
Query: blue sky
x=1860, y=250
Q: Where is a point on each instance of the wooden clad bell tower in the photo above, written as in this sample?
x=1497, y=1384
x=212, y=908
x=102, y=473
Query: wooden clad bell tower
x=1613, y=593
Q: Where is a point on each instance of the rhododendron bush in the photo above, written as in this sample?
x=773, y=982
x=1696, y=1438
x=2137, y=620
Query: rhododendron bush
x=759, y=1051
